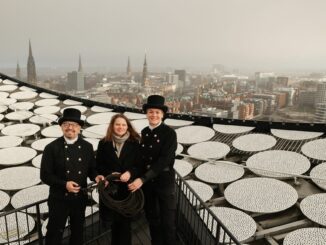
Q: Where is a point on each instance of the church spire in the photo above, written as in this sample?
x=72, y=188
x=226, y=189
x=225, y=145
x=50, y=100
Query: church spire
x=145, y=79
x=31, y=70
x=18, y=71
x=128, y=68
x=80, y=67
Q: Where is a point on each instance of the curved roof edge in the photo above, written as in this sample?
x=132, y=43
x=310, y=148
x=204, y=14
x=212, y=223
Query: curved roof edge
x=262, y=126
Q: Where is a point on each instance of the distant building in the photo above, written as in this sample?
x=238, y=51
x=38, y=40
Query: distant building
x=31, y=70
x=307, y=98
x=321, y=93
x=320, y=113
x=282, y=81
x=75, y=81
x=182, y=74
x=145, y=81
x=18, y=72
x=128, y=68
x=172, y=78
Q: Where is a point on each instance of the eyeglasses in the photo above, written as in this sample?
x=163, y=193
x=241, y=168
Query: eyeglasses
x=67, y=124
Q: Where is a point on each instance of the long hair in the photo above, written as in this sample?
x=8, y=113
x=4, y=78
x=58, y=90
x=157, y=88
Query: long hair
x=134, y=136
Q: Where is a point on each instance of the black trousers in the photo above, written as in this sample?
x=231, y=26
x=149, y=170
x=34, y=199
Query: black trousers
x=160, y=210
x=59, y=211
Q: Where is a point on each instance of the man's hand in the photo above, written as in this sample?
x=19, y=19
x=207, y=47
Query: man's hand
x=98, y=178
x=72, y=186
x=125, y=176
x=135, y=185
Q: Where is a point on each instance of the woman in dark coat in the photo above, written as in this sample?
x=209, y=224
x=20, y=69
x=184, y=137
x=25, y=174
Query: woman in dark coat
x=118, y=152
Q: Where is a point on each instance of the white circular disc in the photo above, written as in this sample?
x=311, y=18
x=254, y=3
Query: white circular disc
x=182, y=167
x=94, y=142
x=232, y=129
x=306, y=236
x=194, y=134
x=31, y=195
x=286, y=163
x=24, y=88
x=3, y=108
x=48, y=96
x=81, y=108
x=10, y=141
x=209, y=150
x=254, y=142
x=240, y=224
x=4, y=94
x=9, y=82
x=21, y=106
x=7, y=101
x=139, y=124
x=319, y=172
x=261, y=195
x=71, y=102
x=16, y=155
x=22, y=129
x=96, y=108
x=97, y=131
x=27, y=176
x=24, y=222
x=174, y=123
x=100, y=118
x=8, y=88
x=179, y=149
x=134, y=116
x=47, y=102
x=1, y=117
x=313, y=207
x=1, y=126
x=43, y=119
x=47, y=110
x=24, y=95
x=19, y=115
x=54, y=131
x=204, y=191
x=295, y=135
x=315, y=149
x=36, y=162
x=219, y=172
x=42, y=143
x=4, y=199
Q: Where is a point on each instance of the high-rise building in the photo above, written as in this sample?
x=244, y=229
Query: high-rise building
x=320, y=113
x=128, y=68
x=31, y=70
x=182, y=78
x=321, y=93
x=18, y=71
x=76, y=79
x=80, y=67
x=145, y=74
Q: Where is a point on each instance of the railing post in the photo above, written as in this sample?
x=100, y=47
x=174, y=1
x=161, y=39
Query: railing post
x=39, y=226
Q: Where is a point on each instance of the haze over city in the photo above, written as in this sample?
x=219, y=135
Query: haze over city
x=252, y=35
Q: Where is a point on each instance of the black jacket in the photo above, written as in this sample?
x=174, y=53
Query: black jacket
x=158, y=148
x=62, y=162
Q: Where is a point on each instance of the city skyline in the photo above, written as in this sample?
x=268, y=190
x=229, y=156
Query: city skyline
x=255, y=35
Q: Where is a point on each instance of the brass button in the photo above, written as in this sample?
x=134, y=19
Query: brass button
x=79, y=146
x=143, y=145
x=67, y=158
x=79, y=172
x=148, y=166
x=66, y=146
x=150, y=146
x=66, y=194
x=68, y=171
x=79, y=159
x=155, y=135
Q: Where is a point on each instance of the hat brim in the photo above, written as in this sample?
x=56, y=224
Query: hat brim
x=161, y=107
x=71, y=119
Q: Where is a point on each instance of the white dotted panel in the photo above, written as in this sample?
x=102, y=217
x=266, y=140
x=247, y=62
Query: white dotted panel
x=314, y=208
x=71, y=102
x=16, y=155
x=36, y=162
x=182, y=167
x=295, y=135
x=219, y=172
x=27, y=176
x=25, y=225
x=47, y=110
x=96, y=108
x=209, y=149
x=22, y=129
x=134, y=116
x=48, y=96
x=9, y=82
x=42, y=143
x=8, y=88
x=4, y=94
x=10, y=141
x=261, y=195
x=139, y=125
x=100, y=118
x=97, y=131
x=43, y=119
x=7, y=101
x=204, y=191
x=4, y=200
x=179, y=149
x=94, y=142
x=232, y=129
x=319, y=172
x=306, y=236
x=52, y=131
x=315, y=149
x=31, y=195
x=24, y=88
x=240, y=224
x=19, y=115
x=254, y=142
x=3, y=108
x=194, y=134
x=278, y=161
x=177, y=123
x=47, y=102
x=22, y=106
x=80, y=108
x=24, y=95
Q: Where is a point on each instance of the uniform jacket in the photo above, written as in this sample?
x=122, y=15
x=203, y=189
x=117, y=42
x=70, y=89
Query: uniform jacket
x=62, y=162
x=158, y=148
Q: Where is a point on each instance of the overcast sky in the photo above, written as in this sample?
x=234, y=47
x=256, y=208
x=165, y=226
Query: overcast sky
x=244, y=34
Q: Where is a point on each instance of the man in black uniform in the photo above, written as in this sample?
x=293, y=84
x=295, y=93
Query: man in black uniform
x=66, y=164
x=158, y=146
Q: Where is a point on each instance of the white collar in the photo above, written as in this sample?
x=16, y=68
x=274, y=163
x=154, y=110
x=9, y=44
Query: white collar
x=152, y=128
x=70, y=141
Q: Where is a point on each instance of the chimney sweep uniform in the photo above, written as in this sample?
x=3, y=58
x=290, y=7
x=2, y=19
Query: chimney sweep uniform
x=64, y=161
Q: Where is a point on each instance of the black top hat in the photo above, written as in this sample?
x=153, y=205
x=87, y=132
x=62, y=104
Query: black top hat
x=71, y=114
x=155, y=101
